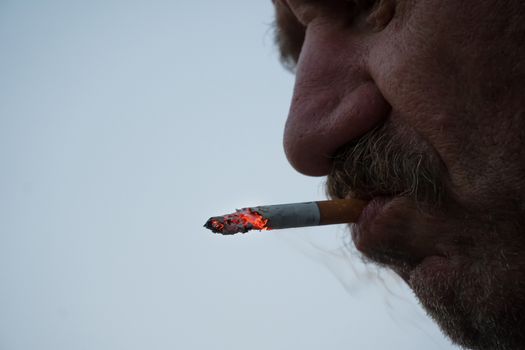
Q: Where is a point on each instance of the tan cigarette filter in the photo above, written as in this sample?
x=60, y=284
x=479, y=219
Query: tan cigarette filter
x=340, y=211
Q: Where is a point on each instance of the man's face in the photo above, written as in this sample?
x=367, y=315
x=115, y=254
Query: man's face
x=419, y=106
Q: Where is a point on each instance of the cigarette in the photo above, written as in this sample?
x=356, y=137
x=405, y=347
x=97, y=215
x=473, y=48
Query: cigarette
x=281, y=216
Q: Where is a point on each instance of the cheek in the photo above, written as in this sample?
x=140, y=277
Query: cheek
x=421, y=76
x=421, y=97
x=454, y=93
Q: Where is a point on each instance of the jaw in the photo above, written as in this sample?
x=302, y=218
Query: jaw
x=467, y=269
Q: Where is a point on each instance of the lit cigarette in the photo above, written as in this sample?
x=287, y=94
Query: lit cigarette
x=280, y=216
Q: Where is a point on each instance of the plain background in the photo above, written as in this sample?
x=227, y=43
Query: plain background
x=124, y=125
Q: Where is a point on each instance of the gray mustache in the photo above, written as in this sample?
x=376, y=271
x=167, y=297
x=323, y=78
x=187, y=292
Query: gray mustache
x=388, y=161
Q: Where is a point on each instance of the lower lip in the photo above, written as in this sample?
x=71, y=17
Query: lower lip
x=372, y=210
x=429, y=266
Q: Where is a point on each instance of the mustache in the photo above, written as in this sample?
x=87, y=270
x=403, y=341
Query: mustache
x=388, y=161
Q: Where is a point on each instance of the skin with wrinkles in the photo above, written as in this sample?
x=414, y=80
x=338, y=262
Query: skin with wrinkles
x=418, y=105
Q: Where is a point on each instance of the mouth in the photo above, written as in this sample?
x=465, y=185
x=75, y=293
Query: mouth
x=391, y=231
x=404, y=182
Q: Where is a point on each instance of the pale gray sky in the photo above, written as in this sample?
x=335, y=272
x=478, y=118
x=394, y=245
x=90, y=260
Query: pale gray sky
x=124, y=125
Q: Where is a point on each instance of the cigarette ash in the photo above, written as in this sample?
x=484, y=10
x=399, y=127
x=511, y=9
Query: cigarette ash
x=242, y=221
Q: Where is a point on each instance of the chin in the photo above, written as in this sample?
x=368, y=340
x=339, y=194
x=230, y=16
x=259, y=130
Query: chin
x=474, y=307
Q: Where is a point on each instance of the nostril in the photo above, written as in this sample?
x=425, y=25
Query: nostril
x=320, y=123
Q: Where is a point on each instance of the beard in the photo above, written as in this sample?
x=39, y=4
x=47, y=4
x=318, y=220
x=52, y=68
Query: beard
x=477, y=292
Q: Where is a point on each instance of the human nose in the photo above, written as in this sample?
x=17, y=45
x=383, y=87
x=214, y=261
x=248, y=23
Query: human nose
x=334, y=102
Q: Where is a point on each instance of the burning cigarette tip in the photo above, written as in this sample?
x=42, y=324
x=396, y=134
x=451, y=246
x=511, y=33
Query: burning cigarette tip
x=242, y=221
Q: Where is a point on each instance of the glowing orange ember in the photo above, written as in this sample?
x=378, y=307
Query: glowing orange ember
x=242, y=220
x=250, y=219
